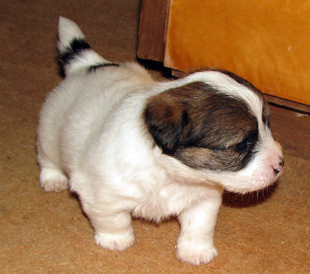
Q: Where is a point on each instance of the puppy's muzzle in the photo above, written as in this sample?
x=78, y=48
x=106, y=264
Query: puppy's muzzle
x=279, y=166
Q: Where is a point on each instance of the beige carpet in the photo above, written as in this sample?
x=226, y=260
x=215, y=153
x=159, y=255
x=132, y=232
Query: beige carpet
x=48, y=233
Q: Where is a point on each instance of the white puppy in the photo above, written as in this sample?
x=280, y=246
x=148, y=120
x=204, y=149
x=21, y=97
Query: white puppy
x=128, y=145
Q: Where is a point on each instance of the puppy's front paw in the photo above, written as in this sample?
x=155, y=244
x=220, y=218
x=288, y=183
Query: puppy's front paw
x=113, y=241
x=53, y=180
x=195, y=254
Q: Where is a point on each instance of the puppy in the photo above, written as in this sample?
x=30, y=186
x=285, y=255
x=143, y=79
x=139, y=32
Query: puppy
x=131, y=146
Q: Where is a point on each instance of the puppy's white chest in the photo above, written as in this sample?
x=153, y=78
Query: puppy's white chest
x=168, y=201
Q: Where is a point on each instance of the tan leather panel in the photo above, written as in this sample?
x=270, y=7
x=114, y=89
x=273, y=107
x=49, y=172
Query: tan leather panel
x=267, y=42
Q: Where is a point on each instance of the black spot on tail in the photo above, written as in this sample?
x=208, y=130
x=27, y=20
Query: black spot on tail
x=75, y=48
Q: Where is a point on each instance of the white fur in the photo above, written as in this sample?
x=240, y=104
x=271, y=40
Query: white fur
x=67, y=31
x=92, y=130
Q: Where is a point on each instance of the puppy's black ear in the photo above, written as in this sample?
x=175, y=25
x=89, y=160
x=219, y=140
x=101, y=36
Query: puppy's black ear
x=166, y=118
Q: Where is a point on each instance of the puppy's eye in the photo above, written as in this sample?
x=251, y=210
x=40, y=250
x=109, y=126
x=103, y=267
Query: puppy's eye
x=244, y=145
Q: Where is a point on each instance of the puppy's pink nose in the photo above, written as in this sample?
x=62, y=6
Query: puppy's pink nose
x=278, y=167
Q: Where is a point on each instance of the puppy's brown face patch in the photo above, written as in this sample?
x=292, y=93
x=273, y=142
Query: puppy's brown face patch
x=240, y=80
x=202, y=127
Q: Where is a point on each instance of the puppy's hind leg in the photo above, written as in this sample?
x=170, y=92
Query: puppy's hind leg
x=113, y=230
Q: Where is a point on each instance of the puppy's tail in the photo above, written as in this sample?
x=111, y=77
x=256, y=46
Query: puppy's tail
x=75, y=54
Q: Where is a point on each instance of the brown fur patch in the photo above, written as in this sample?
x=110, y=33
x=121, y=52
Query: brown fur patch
x=202, y=127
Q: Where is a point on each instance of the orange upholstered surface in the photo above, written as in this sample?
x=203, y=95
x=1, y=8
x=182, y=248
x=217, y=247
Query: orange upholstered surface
x=265, y=41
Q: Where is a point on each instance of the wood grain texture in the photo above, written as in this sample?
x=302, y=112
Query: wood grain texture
x=152, y=30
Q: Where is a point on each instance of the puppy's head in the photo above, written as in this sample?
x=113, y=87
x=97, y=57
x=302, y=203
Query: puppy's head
x=217, y=123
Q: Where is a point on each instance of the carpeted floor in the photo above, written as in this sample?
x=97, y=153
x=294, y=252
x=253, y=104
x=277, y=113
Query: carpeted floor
x=48, y=233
